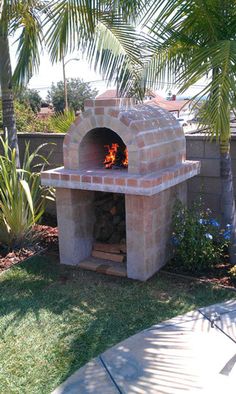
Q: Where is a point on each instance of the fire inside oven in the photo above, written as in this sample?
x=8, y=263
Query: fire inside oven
x=116, y=157
x=102, y=148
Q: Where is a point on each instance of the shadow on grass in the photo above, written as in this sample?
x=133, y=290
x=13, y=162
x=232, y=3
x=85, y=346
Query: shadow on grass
x=71, y=315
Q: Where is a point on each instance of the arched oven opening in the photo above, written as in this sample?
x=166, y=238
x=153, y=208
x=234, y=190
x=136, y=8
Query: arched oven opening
x=102, y=148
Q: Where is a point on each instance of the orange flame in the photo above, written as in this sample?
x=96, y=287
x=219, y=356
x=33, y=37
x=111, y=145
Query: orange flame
x=111, y=157
x=125, y=162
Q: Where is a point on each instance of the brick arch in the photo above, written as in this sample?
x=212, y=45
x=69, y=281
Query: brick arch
x=153, y=137
x=82, y=126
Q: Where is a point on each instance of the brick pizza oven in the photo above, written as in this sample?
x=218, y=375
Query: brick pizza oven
x=150, y=171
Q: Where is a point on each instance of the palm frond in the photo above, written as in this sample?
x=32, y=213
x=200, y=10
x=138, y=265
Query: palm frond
x=62, y=121
x=27, y=16
x=191, y=40
x=115, y=52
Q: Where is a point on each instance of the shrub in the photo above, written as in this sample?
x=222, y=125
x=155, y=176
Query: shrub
x=197, y=239
x=232, y=273
x=22, y=199
x=61, y=121
x=27, y=121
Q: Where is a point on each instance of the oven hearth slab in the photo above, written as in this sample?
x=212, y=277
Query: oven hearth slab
x=120, y=181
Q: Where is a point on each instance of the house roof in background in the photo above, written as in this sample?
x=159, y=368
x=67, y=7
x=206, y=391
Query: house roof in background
x=170, y=105
x=109, y=93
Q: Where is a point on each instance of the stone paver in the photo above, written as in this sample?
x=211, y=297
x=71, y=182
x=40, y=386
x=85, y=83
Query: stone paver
x=184, y=354
x=224, y=307
x=223, y=316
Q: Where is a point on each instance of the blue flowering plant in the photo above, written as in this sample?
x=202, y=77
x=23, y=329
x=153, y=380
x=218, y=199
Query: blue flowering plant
x=198, y=240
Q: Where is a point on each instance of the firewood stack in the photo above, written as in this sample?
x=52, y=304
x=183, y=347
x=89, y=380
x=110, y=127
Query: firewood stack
x=109, y=227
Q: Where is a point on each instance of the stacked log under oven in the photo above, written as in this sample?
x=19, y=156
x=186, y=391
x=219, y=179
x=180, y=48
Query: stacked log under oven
x=109, y=227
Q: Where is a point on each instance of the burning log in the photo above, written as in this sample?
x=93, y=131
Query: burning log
x=116, y=157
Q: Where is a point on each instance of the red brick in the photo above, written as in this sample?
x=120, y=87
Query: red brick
x=132, y=182
x=86, y=178
x=120, y=181
x=65, y=177
x=140, y=141
x=157, y=181
x=75, y=178
x=99, y=111
x=165, y=177
x=125, y=120
x=108, y=181
x=113, y=112
x=55, y=176
x=97, y=179
x=143, y=168
x=107, y=103
x=145, y=183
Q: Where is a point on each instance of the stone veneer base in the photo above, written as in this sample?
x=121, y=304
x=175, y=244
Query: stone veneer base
x=148, y=228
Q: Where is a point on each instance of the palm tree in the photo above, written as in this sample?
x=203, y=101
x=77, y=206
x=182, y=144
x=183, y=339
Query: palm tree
x=22, y=16
x=189, y=40
x=101, y=28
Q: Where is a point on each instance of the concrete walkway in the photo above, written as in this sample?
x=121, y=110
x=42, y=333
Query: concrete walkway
x=193, y=353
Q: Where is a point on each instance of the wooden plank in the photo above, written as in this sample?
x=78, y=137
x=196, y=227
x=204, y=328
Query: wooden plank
x=119, y=258
x=110, y=248
x=104, y=266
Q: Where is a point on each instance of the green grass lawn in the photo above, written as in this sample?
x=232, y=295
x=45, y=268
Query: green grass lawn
x=53, y=319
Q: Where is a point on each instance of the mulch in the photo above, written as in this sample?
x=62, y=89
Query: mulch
x=48, y=239
x=219, y=274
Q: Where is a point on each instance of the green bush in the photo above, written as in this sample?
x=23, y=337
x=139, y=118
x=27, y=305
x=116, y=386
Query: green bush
x=22, y=198
x=197, y=239
x=61, y=121
x=27, y=121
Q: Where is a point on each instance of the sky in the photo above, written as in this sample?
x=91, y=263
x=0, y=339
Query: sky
x=49, y=73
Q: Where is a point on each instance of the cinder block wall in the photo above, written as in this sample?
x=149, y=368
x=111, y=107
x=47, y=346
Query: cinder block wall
x=208, y=182
x=52, y=150
x=198, y=148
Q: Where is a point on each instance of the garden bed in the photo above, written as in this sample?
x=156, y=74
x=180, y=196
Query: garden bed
x=219, y=274
x=47, y=239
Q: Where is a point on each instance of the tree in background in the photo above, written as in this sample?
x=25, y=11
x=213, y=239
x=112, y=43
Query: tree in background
x=27, y=120
x=29, y=97
x=77, y=91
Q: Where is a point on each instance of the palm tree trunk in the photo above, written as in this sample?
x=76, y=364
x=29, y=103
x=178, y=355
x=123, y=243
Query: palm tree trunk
x=227, y=196
x=9, y=124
